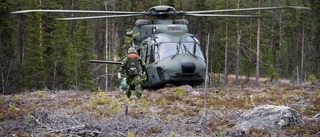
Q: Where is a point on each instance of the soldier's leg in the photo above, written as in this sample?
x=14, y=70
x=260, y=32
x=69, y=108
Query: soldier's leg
x=137, y=81
x=128, y=88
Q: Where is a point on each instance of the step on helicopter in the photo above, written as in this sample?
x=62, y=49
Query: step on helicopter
x=172, y=54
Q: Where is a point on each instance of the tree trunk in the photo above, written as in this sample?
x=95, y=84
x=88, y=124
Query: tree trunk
x=113, y=48
x=21, y=41
x=258, y=48
x=54, y=75
x=278, y=48
x=212, y=71
x=40, y=26
x=204, y=122
x=248, y=62
x=107, y=41
x=238, y=48
x=226, y=53
x=302, y=50
x=2, y=80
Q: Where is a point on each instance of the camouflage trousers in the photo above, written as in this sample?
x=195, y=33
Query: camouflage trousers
x=136, y=80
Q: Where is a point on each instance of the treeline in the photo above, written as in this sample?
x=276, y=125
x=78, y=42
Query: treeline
x=38, y=52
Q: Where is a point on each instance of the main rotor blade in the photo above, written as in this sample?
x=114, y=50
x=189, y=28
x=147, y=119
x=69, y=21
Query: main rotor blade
x=78, y=11
x=99, y=17
x=106, y=62
x=224, y=15
x=245, y=9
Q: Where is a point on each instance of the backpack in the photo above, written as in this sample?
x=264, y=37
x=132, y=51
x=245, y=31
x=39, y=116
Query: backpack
x=132, y=65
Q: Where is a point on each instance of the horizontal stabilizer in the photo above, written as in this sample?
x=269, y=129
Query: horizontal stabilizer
x=106, y=62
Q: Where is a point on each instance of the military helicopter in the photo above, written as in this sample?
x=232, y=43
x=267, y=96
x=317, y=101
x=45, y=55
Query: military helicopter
x=172, y=54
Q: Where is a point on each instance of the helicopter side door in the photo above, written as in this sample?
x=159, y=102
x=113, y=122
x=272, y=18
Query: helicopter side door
x=147, y=55
x=150, y=58
x=144, y=52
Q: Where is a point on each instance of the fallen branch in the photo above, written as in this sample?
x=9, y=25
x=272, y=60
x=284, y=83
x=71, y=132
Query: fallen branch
x=251, y=97
x=38, y=122
x=67, y=129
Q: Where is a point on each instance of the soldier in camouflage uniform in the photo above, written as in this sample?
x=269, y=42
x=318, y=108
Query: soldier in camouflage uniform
x=131, y=66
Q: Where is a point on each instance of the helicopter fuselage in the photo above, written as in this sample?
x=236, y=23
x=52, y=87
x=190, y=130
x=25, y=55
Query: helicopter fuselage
x=173, y=56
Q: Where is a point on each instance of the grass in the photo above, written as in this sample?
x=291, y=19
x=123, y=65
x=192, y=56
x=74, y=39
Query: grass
x=165, y=112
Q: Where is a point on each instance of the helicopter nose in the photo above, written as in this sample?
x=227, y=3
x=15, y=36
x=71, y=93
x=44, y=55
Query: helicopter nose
x=187, y=66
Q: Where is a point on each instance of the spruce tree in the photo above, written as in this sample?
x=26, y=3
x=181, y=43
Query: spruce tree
x=55, y=41
x=8, y=57
x=33, y=65
x=316, y=39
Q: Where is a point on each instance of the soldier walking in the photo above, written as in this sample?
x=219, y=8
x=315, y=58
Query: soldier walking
x=132, y=66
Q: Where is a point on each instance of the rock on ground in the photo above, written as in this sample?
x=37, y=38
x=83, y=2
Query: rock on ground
x=269, y=117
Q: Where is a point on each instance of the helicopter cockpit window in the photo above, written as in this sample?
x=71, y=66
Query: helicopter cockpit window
x=162, y=39
x=166, y=50
x=192, y=39
x=193, y=48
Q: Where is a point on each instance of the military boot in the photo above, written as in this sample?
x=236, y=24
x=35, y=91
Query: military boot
x=138, y=91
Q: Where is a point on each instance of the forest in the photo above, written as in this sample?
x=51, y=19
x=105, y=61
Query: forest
x=38, y=52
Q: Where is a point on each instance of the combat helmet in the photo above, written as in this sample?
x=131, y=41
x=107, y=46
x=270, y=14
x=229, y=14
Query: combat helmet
x=131, y=50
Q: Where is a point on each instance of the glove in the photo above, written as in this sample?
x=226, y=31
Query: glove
x=143, y=76
x=119, y=75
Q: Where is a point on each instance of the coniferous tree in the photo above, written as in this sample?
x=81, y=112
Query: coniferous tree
x=218, y=36
x=202, y=23
x=8, y=56
x=316, y=39
x=308, y=28
x=55, y=40
x=33, y=65
x=71, y=67
x=56, y=61
x=80, y=51
x=83, y=45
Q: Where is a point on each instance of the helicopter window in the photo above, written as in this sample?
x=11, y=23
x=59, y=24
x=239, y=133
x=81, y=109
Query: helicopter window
x=192, y=48
x=166, y=50
x=190, y=39
x=144, y=50
x=151, y=56
x=169, y=49
x=162, y=39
